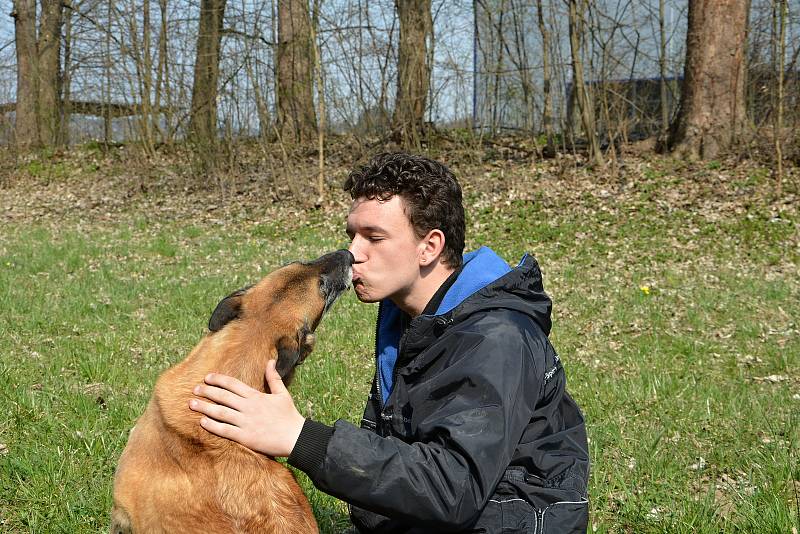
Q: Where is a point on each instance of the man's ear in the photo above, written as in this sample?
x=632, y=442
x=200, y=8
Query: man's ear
x=432, y=246
x=227, y=310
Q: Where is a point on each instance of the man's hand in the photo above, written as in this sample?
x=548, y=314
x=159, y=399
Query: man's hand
x=267, y=423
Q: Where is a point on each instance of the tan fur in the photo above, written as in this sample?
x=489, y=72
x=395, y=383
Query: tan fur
x=174, y=476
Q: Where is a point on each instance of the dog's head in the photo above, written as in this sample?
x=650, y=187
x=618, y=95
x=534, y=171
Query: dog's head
x=283, y=310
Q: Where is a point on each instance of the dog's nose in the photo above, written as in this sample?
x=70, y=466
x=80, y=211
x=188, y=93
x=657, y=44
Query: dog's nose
x=334, y=260
x=349, y=255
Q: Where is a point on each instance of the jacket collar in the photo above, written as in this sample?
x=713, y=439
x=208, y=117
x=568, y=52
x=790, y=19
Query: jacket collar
x=481, y=268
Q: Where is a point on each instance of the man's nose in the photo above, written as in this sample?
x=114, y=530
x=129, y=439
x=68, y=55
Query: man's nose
x=355, y=250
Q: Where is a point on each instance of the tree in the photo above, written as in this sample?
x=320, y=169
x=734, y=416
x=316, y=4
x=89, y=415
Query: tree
x=203, y=122
x=547, y=113
x=26, y=127
x=297, y=121
x=577, y=9
x=780, y=14
x=662, y=70
x=38, y=106
x=413, y=69
x=49, y=48
x=711, y=115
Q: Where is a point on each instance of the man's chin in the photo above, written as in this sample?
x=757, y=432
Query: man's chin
x=363, y=295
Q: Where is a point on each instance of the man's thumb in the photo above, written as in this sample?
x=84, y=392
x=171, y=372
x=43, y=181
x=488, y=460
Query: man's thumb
x=274, y=379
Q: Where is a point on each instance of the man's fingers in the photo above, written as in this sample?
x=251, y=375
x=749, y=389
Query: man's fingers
x=215, y=411
x=229, y=383
x=220, y=429
x=219, y=395
x=274, y=379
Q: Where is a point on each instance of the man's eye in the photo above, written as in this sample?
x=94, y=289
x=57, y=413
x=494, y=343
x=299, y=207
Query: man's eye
x=375, y=238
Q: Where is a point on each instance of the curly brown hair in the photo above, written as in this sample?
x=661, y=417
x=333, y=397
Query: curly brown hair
x=430, y=191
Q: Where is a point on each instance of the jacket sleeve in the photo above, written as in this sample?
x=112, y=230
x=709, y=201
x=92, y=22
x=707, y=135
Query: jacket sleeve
x=482, y=401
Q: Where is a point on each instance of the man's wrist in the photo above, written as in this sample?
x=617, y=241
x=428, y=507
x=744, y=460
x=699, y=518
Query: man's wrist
x=311, y=446
x=295, y=434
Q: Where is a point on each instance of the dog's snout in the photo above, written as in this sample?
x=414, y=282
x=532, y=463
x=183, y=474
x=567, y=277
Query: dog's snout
x=342, y=256
x=343, y=263
x=333, y=260
x=335, y=274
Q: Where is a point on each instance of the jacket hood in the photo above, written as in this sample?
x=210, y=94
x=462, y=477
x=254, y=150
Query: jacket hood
x=485, y=282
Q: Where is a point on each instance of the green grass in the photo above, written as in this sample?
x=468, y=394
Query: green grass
x=670, y=321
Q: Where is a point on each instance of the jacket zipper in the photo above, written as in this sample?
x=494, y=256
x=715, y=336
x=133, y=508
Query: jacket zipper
x=395, y=371
x=378, y=399
x=379, y=403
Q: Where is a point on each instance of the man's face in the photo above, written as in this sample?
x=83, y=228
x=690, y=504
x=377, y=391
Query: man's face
x=385, y=248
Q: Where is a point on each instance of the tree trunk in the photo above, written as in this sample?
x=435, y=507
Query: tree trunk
x=662, y=67
x=203, y=123
x=142, y=84
x=108, y=131
x=164, y=84
x=297, y=121
x=413, y=69
x=547, y=113
x=780, y=11
x=38, y=106
x=162, y=78
x=585, y=106
x=712, y=116
x=146, y=117
x=523, y=66
x=49, y=48
x=320, y=101
x=26, y=128
x=499, y=67
x=66, y=82
x=261, y=103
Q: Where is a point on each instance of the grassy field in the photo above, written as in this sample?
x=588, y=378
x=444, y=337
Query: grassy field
x=677, y=309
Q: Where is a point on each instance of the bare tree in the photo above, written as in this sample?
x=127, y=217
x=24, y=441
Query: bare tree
x=320, y=101
x=26, y=128
x=520, y=60
x=577, y=10
x=547, y=109
x=203, y=122
x=662, y=70
x=137, y=40
x=358, y=49
x=108, y=133
x=413, y=69
x=499, y=68
x=780, y=12
x=66, y=78
x=49, y=48
x=133, y=64
x=38, y=107
x=712, y=108
x=162, y=88
x=297, y=121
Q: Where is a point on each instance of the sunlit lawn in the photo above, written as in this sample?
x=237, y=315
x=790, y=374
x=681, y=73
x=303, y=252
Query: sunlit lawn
x=677, y=324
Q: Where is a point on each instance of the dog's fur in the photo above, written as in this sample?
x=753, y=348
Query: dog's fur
x=173, y=475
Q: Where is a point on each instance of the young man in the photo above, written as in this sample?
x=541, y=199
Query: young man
x=468, y=426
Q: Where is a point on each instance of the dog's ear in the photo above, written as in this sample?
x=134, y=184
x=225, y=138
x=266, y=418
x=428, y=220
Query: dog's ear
x=227, y=310
x=291, y=352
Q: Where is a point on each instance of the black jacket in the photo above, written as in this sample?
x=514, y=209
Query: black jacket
x=478, y=433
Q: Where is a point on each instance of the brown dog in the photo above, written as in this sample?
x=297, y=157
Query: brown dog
x=174, y=476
